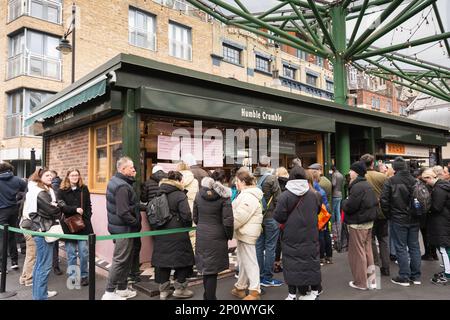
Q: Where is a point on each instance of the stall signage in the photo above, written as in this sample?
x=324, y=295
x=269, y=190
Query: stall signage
x=256, y=114
x=406, y=150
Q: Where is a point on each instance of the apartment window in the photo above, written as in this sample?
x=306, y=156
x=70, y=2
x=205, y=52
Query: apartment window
x=375, y=103
x=34, y=53
x=106, y=149
x=49, y=10
x=301, y=54
x=231, y=54
x=330, y=85
x=141, y=29
x=389, y=106
x=20, y=104
x=262, y=63
x=311, y=79
x=319, y=61
x=180, y=39
x=289, y=72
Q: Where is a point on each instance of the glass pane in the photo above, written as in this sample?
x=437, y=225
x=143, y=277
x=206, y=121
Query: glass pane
x=115, y=132
x=53, y=14
x=140, y=21
x=36, y=42
x=37, y=10
x=101, y=136
x=101, y=165
x=116, y=154
x=131, y=21
x=50, y=50
x=51, y=69
x=36, y=66
x=141, y=40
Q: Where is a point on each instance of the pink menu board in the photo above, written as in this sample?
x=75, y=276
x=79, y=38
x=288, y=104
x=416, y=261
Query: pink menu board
x=168, y=148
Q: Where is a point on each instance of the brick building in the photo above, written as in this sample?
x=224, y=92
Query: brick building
x=167, y=31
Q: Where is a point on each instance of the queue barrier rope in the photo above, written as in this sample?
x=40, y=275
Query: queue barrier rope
x=100, y=238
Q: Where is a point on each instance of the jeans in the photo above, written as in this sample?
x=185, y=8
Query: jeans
x=9, y=216
x=266, y=246
x=406, y=241
x=83, y=253
x=326, y=249
x=42, y=268
x=336, y=214
x=391, y=240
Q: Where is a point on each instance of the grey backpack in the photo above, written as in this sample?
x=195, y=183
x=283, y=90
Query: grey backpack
x=158, y=211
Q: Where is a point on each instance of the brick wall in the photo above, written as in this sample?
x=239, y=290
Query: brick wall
x=69, y=150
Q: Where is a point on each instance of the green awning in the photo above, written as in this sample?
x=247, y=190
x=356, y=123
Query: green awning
x=80, y=95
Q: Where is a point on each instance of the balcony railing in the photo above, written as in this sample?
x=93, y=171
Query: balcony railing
x=34, y=65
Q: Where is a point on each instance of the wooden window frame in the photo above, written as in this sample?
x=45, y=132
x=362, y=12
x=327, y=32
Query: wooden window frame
x=94, y=187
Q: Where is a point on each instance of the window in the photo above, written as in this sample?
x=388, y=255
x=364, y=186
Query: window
x=330, y=85
x=389, y=106
x=231, y=54
x=375, y=103
x=319, y=61
x=34, y=53
x=141, y=29
x=180, y=41
x=21, y=103
x=311, y=79
x=106, y=149
x=301, y=54
x=289, y=72
x=49, y=10
x=262, y=63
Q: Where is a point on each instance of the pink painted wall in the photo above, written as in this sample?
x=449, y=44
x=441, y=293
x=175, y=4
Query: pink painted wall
x=104, y=249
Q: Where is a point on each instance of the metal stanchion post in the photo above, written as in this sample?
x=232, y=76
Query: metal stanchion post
x=92, y=240
x=3, y=293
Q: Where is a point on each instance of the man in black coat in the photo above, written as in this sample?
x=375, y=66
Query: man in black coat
x=396, y=204
x=10, y=185
x=123, y=217
x=150, y=187
x=438, y=222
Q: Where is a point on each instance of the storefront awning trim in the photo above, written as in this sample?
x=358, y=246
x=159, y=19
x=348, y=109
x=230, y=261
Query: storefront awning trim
x=89, y=91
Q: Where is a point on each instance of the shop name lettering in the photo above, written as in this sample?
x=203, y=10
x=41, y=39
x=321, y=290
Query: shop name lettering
x=64, y=116
x=254, y=114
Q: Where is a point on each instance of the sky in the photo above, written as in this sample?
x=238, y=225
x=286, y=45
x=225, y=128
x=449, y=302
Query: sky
x=415, y=28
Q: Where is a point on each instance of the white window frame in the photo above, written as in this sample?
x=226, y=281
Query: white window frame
x=149, y=33
x=287, y=67
x=25, y=9
x=261, y=58
x=230, y=47
x=314, y=76
x=23, y=59
x=183, y=46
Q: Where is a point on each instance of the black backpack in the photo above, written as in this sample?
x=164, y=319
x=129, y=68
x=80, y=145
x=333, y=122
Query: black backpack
x=158, y=211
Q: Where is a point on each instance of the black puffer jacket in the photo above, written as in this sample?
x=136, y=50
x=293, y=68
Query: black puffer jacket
x=72, y=200
x=151, y=187
x=174, y=250
x=46, y=214
x=396, y=198
x=362, y=203
x=300, y=239
x=214, y=218
x=439, y=218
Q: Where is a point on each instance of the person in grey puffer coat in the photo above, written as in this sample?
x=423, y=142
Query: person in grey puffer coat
x=297, y=209
x=214, y=218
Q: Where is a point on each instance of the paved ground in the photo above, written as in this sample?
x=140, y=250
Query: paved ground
x=335, y=280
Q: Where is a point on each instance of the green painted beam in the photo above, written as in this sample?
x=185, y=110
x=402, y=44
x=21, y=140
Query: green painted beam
x=358, y=22
x=306, y=5
x=417, y=64
x=441, y=26
x=208, y=10
x=345, y=3
x=428, y=88
x=407, y=13
x=372, y=3
x=307, y=26
x=384, y=15
x=436, y=86
x=267, y=26
x=404, y=45
x=342, y=148
x=272, y=10
x=339, y=70
x=243, y=8
x=322, y=26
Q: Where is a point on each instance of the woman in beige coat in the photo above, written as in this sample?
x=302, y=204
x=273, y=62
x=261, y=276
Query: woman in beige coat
x=248, y=218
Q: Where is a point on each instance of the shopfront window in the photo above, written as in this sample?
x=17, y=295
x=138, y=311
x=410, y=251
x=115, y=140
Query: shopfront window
x=106, y=150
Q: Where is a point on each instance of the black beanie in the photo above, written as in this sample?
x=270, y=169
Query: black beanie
x=399, y=164
x=297, y=173
x=359, y=167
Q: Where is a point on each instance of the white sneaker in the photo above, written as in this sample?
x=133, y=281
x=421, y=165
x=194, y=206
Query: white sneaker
x=112, y=296
x=310, y=296
x=51, y=294
x=291, y=297
x=127, y=293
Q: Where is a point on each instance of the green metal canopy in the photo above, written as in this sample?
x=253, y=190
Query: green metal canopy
x=89, y=91
x=319, y=28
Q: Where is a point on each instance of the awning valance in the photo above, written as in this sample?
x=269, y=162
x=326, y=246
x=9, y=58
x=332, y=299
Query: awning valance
x=89, y=91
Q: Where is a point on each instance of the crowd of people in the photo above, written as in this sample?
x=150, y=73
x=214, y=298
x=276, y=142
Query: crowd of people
x=376, y=212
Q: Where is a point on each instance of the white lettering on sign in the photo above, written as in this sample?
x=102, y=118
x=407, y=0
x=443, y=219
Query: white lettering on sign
x=418, y=137
x=255, y=114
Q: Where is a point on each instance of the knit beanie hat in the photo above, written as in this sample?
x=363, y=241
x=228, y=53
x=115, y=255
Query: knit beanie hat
x=399, y=164
x=359, y=167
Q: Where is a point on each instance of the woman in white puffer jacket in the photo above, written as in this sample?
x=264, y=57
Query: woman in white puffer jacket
x=247, y=212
